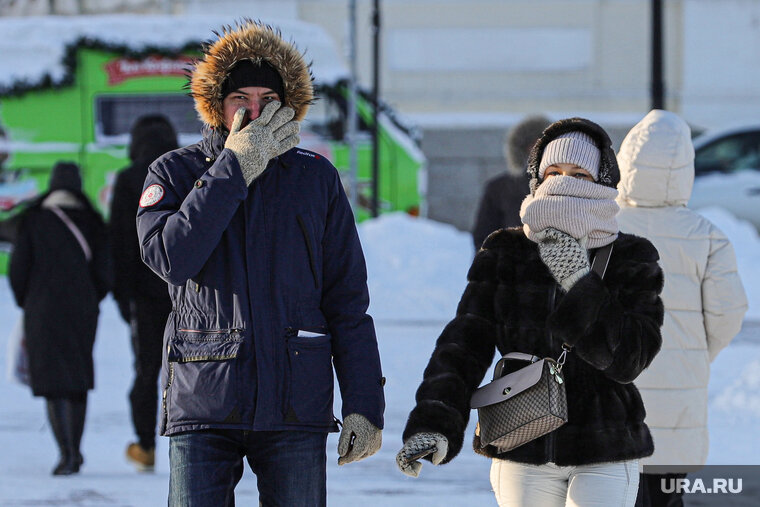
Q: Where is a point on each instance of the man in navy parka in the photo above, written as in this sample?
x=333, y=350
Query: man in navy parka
x=268, y=285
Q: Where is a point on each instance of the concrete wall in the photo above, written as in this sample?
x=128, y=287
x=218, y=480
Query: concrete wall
x=462, y=159
x=459, y=162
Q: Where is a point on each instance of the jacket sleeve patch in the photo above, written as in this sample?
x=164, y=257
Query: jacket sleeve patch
x=151, y=195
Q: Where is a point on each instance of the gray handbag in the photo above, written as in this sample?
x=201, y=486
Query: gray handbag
x=518, y=407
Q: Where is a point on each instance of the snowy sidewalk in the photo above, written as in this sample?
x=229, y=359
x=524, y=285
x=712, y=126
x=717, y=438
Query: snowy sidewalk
x=29, y=451
x=416, y=272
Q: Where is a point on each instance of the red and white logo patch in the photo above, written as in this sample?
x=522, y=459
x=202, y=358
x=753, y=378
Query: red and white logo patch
x=152, y=195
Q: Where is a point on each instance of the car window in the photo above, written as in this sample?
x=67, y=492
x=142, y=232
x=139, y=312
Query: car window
x=729, y=154
x=115, y=114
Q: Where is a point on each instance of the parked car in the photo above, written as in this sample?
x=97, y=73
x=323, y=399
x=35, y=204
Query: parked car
x=727, y=172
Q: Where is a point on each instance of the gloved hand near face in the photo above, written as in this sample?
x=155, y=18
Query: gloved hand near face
x=565, y=256
x=273, y=133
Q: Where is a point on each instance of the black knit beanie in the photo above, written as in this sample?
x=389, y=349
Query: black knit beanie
x=246, y=73
x=65, y=176
x=150, y=137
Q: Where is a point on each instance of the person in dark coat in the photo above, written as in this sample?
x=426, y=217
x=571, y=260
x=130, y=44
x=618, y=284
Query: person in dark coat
x=142, y=297
x=59, y=273
x=267, y=277
x=531, y=290
x=502, y=195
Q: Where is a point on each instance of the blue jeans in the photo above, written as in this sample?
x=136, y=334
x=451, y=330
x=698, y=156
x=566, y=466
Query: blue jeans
x=290, y=467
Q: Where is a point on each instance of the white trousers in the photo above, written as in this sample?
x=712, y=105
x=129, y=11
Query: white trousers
x=603, y=484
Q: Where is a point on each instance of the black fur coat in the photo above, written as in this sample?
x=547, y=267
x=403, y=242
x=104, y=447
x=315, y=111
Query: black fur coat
x=512, y=303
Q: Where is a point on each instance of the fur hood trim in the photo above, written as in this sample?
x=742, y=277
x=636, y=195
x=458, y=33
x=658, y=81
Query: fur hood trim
x=519, y=141
x=609, y=173
x=255, y=41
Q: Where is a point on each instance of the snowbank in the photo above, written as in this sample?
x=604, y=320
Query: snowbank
x=417, y=268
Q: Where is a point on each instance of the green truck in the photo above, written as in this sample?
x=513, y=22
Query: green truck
x=71, y=87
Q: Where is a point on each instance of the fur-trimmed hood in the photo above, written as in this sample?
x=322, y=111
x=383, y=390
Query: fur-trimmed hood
x=519, y=141
x=255, y=41
x=609, y=173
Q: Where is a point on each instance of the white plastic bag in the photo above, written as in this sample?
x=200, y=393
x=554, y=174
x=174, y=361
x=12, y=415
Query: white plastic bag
x=17, y=358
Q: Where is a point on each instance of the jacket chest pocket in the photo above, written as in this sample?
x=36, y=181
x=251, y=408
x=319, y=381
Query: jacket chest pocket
x=203, y=376
x=310, y=249
x=309, y=398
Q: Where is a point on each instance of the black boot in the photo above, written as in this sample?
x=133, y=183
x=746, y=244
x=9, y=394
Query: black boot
x=60, y=415
x=55, y=416
x=79, y=406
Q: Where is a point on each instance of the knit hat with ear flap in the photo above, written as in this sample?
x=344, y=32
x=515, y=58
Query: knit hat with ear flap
x=609, y=173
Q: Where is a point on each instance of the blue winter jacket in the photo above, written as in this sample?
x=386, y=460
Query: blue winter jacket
x=269, y=291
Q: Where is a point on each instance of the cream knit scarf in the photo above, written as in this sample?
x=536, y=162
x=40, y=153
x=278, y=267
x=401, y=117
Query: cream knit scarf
x=577, y=207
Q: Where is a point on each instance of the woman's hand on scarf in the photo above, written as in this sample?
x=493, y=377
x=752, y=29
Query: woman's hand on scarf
x=565, y=256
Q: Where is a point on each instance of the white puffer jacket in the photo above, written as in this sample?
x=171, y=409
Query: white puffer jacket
x=703, y=295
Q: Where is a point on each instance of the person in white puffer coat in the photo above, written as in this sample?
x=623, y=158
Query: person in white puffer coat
x=703, y=295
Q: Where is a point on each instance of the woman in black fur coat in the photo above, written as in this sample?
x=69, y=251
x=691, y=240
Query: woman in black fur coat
x=531, y=290
x=59, y=272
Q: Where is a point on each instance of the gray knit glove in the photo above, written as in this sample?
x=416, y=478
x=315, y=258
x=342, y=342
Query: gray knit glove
x=565, y=256
x=359, y=439
x=273, y=133
x=417, y=447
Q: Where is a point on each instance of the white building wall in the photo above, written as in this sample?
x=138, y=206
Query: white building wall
x=721, y=61
x=474, y=58
x=479, y=58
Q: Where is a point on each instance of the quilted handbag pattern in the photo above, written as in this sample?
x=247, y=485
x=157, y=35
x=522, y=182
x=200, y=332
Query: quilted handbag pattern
x=538, y=410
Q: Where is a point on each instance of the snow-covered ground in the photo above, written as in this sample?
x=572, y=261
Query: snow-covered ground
x=417, y=271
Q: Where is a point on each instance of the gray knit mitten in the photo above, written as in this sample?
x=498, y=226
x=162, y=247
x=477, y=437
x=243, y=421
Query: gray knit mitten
x=273, y=133
x=417, y=447
x=359, y=439
x=565, y=256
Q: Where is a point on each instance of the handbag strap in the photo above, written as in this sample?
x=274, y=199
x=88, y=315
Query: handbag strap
x=599, y=265
x=75, y=231
x=601, y=260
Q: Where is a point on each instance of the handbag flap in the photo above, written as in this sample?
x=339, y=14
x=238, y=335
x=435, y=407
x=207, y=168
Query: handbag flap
x=508, y=386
